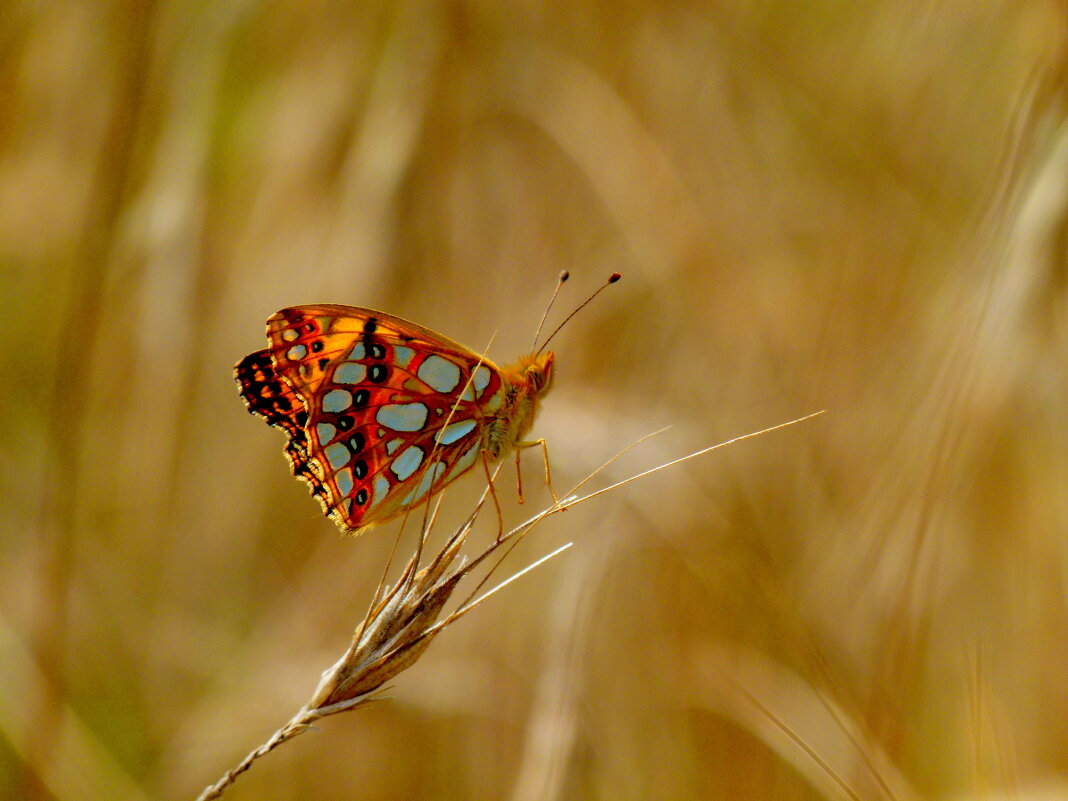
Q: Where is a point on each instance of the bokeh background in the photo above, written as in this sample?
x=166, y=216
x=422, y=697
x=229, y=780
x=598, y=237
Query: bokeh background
x=857, y=207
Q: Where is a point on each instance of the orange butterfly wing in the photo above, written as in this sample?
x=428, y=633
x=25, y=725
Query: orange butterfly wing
x=380, y=412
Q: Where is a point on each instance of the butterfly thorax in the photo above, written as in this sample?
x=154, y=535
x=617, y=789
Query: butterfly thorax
x=528, y=381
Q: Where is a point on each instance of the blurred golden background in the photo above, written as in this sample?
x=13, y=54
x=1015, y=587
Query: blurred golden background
x=858, y=207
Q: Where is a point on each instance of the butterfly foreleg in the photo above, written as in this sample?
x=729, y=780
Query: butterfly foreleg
x=545, y=456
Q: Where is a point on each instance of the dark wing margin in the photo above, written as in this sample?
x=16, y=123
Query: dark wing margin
x=267, y=395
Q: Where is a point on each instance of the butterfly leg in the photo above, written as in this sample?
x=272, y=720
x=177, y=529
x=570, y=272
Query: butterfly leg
x=493, y=493
x=518, y=476
x=545, y=457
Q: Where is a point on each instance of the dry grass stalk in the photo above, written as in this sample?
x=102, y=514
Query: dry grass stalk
x=397, y=629
x=404, y=619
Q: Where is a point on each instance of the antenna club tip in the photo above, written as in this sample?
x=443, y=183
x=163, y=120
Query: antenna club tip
x=564, y=275
x=614, y=277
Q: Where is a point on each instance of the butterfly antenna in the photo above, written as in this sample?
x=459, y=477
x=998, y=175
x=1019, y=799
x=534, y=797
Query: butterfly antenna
x=611, y=280
x=564, y=275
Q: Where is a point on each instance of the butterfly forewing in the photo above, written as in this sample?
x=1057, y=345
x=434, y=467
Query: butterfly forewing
x=381, y=412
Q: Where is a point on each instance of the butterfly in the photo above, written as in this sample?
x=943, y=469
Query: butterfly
x=381, y=413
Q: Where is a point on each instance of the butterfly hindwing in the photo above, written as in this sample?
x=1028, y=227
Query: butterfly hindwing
x=267, y=395
x=392, y=411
